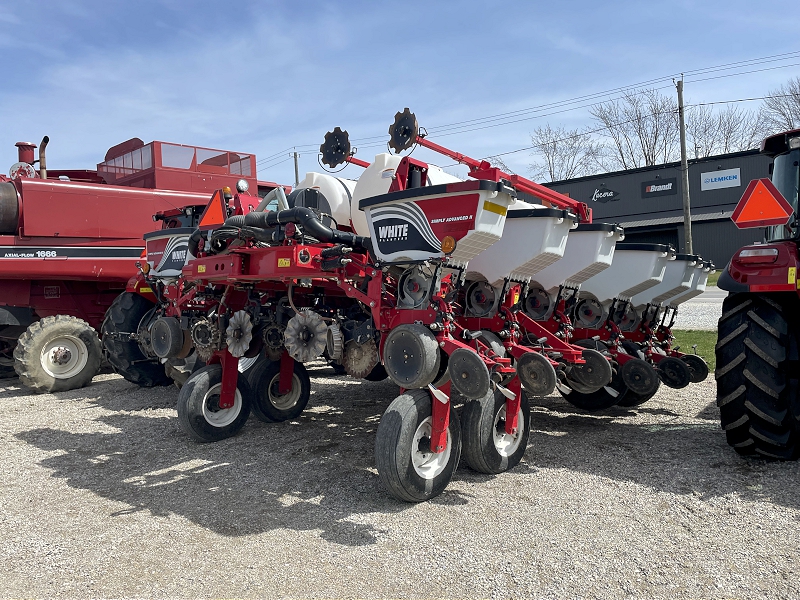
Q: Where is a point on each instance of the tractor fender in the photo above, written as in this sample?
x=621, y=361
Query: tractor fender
x=752, y=269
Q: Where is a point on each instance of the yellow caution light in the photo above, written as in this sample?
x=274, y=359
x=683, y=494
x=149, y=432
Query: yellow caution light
x=448, y=244
x=146, y=268
x=226, y=191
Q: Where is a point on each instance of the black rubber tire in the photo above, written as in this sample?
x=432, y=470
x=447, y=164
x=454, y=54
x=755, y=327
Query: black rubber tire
x=265, y=374
x=7, y=372
x=698, y=368
x=674, y=373
x=125, y=356
x=494, y=342
x=28, y=353
x=411, y=356
x=377, y=374
x=630, y=398
x=591, y=401
x=757, y=374
x=394, y=443
x=481, y=451
x=191, y=400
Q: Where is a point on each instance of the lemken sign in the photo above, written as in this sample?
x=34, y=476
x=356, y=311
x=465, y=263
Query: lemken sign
x=660, y=187
x=720, y=179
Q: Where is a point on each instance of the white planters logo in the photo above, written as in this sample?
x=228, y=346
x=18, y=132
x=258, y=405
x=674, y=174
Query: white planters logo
x=393, y=233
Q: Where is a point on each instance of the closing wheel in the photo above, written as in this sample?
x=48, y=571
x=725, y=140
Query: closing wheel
x=697, y=367
x=494, y=342
x=199, y=413
x=411, y=356
x=592, y=401
x=57, y=354
x=269, y=405
x=674, y=372
x=536, y=373
x=468, y=374
x=593, y=375
x=487, y=446
x=640, y=377
x=406, y=465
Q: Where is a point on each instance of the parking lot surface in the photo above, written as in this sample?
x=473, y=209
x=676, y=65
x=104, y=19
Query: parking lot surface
x=101, y=494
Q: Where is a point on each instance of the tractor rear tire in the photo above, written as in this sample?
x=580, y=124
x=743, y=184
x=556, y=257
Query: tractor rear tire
x=57, y=354
x=125, y=356
x=757, y=378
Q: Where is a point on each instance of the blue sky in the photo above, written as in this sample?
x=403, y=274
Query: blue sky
x=261, y=76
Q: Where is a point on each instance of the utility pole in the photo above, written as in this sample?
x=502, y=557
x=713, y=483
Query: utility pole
x=297, y=171
x=687, y=209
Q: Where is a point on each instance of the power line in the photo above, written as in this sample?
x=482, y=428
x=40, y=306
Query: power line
x=507, y=118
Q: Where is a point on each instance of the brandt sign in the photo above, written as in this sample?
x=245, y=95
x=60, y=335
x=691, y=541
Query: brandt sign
x=603, y=194
x=660, y=187
x=720, y=179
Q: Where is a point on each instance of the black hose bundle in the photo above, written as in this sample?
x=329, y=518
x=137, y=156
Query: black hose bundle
x=254, y=223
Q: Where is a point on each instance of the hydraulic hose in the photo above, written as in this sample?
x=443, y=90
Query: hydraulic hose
x=299, y=215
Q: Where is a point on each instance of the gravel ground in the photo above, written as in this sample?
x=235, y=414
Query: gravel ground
x=103, y=495
x=702, y=312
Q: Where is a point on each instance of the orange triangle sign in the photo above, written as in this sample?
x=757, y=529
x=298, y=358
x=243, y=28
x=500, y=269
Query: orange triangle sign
x=215, y=213
x=762, y=205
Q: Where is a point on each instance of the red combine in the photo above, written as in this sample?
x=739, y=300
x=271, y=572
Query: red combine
x=70, y=239
x=758, y=347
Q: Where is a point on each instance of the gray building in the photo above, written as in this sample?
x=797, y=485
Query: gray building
x=648, y=202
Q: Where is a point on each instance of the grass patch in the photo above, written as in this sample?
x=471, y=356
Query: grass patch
x=705, y=340
x=713, y=278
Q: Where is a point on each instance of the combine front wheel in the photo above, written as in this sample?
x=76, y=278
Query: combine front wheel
x=57, y=354
x=757, y=377
x=406, y=465
x=487, y=446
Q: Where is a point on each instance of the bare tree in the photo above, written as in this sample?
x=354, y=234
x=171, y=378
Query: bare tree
x=642, y=127
x=498, y=162
x=563, y=153
x=730, y=129
x=781, y=110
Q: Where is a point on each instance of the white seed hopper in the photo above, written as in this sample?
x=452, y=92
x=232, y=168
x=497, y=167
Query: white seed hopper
x=412, y=224
x=702, y=270
x=635, y=268
x=590, y=250
x=376, y=180
x=678, y=277
x=534, y=238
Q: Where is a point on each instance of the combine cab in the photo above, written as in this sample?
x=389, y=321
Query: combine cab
x=69, y=241
x=758, y=360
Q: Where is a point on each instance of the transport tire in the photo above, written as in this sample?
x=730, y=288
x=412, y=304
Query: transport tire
x=406, y=466
x=199, y=414
x=269, y=405
x=125, y=355
x=486, y=445
x=57, y=354
x=757, y=375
